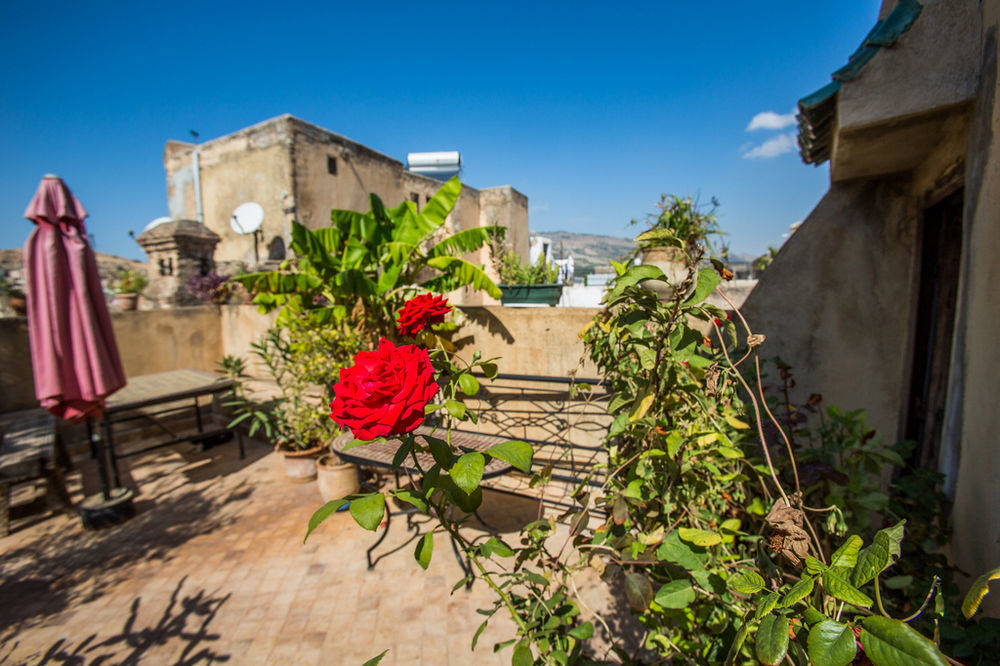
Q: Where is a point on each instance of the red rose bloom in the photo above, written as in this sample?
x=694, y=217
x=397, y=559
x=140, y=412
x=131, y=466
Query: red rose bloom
x=420, y=312
x=384, y=392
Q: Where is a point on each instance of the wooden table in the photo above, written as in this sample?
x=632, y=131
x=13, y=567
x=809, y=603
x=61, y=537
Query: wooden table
x=151, y=397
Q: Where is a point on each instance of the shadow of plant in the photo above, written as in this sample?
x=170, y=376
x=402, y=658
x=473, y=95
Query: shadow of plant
x=186, y=619
x=64, y=566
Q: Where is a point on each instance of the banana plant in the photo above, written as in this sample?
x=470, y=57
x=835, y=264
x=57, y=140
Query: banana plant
x=373, y=260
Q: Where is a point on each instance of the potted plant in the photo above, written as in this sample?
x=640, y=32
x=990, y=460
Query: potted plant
x=334, y=477
x=127, y=286
x=15, y=296
x=676, y=239
x=521, y=282
x=211, y=287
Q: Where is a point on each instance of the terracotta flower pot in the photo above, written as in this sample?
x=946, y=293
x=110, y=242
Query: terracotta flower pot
x=336, y=479
x=300, y=464
x=128, y=301
x=18, y=305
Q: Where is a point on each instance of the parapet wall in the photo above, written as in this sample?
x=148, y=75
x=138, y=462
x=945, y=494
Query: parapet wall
x=529, y=341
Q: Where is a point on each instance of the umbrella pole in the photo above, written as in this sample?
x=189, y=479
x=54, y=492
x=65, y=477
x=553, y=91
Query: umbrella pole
x=101, y=462
x=109, y=451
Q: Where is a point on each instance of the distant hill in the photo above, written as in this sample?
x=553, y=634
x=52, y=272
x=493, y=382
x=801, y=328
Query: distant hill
x=107, y=264
x=590, y=252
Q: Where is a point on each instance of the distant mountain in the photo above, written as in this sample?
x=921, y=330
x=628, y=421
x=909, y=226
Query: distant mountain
x=590, y=252
x=108, y=265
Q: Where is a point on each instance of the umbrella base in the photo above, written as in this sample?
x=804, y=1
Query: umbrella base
x=97, y=512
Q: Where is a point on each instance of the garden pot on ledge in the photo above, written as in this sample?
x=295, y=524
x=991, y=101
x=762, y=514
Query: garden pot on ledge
x=530, y=294
x=336, y=479
x=128, y=301
x=300, y=464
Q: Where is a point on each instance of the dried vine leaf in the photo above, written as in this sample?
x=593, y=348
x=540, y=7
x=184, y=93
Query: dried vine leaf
x=785, y=534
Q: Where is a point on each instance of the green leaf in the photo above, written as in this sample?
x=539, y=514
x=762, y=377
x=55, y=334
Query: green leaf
x=675, y=594
x=889, y=642
x=489, y=369
x=814, y=566
x=874, y=559
x=699, y=537
x=674, y=550
x=437, y=209
x=638, y=591
x=460, y=242
x=465, y=273
x=847, y=554
x=812, y=616
x=708, y=280
x=741, y=637
x=522, y=655
x=836, y=585
x=467, y=471
x=746, y=582
x=468, y=384
x=582, y=632
x=361, y=442
x=424, y=550
x=482, y=627
x=455, y=408
x=980, y=588
x=440, y=451
x=410, y=497
x=515, y=452
x=402, y=452
x=831, y=644
x=494, y=546
x=798, y=592
x=322, y=514
x=375, y=660
x=467, y=502
x=766, y=605
x=772, y=639
x=368, y=510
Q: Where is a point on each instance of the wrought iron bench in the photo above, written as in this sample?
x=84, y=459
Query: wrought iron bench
x=31, y=449
x=563, y=418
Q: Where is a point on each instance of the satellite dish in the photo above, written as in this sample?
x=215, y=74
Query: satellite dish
x=155, y=223
x=247, y=218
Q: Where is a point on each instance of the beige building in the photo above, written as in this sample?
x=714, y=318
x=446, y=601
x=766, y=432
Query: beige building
x=888, y=296
x=298, y=171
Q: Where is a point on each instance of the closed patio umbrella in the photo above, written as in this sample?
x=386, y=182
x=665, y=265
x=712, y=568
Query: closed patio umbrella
x=74, y=356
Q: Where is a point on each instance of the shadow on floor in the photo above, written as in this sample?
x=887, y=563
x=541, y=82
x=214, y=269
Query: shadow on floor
x=184, y=621
x=65, y=566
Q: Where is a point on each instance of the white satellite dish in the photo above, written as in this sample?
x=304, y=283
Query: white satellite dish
x=157, y=222
x=247, y=218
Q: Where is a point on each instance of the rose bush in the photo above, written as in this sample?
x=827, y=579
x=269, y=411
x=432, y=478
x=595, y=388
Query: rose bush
x=384, y=393
x=421, y=312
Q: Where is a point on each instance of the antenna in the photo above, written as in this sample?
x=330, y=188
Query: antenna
x=247, y=219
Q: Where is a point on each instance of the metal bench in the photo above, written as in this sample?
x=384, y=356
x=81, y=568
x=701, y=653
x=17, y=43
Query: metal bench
x=563, y=419
x=30, y=450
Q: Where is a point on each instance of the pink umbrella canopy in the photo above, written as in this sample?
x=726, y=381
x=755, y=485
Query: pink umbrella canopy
x=73, y=351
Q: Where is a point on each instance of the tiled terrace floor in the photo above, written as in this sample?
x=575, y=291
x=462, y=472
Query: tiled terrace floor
x=213, y=569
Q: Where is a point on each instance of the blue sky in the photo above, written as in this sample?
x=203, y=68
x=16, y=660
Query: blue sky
x=591, y=110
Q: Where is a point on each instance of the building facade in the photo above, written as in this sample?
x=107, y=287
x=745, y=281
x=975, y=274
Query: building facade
x=298, y=171
x=886, y=298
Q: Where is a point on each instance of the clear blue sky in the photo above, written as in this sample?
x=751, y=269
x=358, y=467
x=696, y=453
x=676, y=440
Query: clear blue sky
x=590, y=110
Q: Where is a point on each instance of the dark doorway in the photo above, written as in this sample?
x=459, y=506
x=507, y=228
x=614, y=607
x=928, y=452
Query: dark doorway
x=941, y=254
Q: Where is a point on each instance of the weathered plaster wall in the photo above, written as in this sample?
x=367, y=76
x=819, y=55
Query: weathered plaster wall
x=835, y=303
x=908, y=101
x=529, y=341
x=253, y=164
x=975, y=380
x=148, y=341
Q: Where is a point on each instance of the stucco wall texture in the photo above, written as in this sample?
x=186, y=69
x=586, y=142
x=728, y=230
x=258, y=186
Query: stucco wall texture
x=839, y=303
x=530, y=341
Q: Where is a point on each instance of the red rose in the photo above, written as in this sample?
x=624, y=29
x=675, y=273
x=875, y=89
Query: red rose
x=420, y=312
x=384, y=392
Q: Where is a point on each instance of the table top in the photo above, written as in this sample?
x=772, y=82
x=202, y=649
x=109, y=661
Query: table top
x=381, y=454
x=161, y=387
